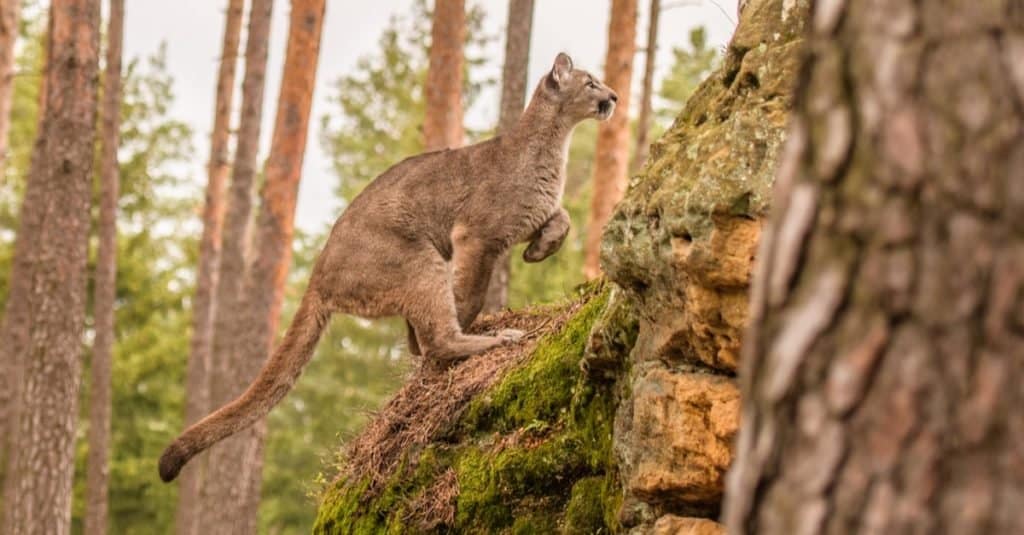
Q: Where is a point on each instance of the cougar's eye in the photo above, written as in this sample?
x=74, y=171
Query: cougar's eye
x=592, y=85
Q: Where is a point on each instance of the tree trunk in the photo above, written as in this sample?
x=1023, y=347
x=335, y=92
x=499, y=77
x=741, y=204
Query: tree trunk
x=643, y=122
x=881, y=376
x=42, y=329
x=9, y=15
x=612, y=154
x=221, y=482
x=265, y=279
x=442, y=123
x=97, y=475
x=197, y=385
x=513, y=100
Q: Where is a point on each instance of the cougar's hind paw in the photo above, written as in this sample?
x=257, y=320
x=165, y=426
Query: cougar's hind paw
x=510, y=336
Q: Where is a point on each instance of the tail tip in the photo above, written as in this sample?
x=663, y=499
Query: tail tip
x=171, y=462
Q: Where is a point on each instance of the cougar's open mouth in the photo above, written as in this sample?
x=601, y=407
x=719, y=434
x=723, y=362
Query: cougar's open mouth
x=605, y=109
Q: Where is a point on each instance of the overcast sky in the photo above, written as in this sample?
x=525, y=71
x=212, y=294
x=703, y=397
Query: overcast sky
x=193, y=32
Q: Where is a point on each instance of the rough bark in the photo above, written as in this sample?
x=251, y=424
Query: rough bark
x=881, y=377
x=9, y=15
x=513, y=99
x=442, y=122
x=268, y=271
x=197, y=385
x=643, y=122
x=45, y=310
x=221, y=482
x=612, y=154
x=105, y=290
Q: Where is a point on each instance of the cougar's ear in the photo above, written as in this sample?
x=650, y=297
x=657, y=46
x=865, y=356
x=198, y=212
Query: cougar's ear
x=561, y=69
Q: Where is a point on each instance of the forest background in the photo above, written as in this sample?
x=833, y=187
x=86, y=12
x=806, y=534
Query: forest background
x=365, y=118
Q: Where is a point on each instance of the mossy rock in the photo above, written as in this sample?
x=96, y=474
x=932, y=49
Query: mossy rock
x=533, y=454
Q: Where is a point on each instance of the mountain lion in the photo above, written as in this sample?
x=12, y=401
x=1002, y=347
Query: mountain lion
x=420, y=242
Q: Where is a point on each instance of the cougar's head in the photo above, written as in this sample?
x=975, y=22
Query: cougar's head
x=578, y=93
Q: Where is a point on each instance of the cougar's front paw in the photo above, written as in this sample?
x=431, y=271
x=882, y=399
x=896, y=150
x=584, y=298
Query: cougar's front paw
x=510, y=336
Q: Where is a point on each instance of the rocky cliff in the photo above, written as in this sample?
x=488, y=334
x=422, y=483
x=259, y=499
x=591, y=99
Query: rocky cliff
x=619, y=411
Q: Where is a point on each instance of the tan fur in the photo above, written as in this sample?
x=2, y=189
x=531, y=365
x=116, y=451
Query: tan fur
x=420, y=242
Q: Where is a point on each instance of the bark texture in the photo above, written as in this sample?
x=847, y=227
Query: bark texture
x=442, y=123
x=221, y=484
x=882, y=373
x=612, y=154
x=197, y=385
x=9, y=15
x=643, y=122
x=513, y=99
x=45, y=310
x=105, y=291
x=265, y=279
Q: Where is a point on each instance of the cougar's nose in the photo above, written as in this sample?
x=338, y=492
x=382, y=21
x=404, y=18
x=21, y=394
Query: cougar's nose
x=613, y=96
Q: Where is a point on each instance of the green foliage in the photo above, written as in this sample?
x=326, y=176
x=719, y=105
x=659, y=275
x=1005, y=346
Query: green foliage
x=690, y=67
x=381, y=105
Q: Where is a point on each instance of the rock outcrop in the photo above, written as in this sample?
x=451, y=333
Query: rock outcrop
x=682, y=245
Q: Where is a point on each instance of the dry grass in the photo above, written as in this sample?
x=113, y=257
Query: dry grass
x=433, y=399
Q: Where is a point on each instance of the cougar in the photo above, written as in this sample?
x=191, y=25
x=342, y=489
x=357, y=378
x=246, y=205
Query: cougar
x=421, y=241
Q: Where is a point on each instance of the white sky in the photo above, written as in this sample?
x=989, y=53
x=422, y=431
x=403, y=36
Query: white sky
x=193, y=31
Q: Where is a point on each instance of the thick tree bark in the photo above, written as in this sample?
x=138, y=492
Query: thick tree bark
x=881, y=376
x=97, y=467
x=612, y=154
x=643, y=122
x=9, y=15
x=197, y=385
x=221, y=481
x=513, y=99
x=442, y=123
x=43, y=323
x=265, y=279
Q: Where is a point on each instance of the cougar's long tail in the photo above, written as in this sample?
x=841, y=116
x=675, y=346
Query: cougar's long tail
x=274, y=381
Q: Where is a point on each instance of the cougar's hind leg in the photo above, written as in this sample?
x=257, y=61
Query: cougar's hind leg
x=429, y=306
x=473, y=261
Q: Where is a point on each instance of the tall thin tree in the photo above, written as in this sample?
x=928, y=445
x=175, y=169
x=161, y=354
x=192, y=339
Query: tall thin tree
x=643, y=121
x=513, y=99
x=220, y=483
x=45, y=310
x=197, y=385
x=265, y=279
x=612, y=154
x=9, y=15
x=881, y=376
x=105, y=289
x=442, y=123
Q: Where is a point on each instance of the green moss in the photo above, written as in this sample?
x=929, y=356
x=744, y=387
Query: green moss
x=543, y=388
x=519, y=452
x=584, y=515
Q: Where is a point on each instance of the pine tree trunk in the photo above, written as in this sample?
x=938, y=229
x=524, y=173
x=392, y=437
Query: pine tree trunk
x=612, y=155
x=643, y=122
x=882, y=373
x=265, y=280
x=45, y=310
x=97, y=467
x=9, y=15
x=513, y=100
x=197, y=385
x=221, y=482
x=442, y=123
